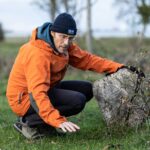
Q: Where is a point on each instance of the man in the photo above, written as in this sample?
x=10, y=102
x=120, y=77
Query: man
x=35, y=91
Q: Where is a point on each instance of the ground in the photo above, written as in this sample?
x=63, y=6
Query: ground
x=94, y=134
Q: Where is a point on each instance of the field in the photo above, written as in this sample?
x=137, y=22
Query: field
x=94, y=134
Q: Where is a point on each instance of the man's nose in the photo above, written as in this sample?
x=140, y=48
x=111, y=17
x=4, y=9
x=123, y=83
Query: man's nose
x=66, y=41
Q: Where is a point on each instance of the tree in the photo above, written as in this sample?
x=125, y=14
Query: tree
x=89, y=27
x=1, y=33
x=49, y=6
x=53, y=7
x=138, y=8
x=144, y=12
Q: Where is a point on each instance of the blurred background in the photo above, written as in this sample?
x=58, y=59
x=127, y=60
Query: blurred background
x=116, y=29
x=117, y=18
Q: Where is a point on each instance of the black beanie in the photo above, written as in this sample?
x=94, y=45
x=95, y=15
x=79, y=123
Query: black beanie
x=64, y=23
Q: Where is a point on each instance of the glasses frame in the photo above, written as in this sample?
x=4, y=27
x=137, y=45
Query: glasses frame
x=70, y=38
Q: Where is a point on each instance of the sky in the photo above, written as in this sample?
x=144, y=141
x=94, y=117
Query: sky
x=20, y=17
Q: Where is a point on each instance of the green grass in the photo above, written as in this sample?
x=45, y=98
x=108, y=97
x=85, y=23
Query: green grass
x=11, y=46
x=94, y=134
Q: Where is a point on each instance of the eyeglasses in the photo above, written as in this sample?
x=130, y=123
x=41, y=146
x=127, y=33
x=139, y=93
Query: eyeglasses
x=66, y=37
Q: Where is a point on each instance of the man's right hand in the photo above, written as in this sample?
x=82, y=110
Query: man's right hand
x=69, y=127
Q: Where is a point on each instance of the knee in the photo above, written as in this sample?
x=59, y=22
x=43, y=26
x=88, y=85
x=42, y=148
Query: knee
x=80, y=102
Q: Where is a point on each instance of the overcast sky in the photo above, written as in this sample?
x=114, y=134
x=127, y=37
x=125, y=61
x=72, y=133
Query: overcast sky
x=20, y=17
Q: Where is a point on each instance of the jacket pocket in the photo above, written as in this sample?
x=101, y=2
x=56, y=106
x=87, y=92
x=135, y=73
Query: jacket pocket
x=20, y=97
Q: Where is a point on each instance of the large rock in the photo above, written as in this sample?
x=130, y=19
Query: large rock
x=121, y=98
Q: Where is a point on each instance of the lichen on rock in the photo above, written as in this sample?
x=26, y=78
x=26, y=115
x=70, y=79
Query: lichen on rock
x=121, y=98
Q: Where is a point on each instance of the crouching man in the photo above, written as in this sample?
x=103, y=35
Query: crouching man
x=36, y=92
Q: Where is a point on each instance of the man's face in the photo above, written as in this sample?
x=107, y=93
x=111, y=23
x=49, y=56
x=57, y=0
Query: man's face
x=62, y=41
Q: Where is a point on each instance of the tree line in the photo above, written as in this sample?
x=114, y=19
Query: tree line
x=135, y=12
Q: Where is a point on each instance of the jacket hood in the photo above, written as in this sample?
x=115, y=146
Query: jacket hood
x=43, y=33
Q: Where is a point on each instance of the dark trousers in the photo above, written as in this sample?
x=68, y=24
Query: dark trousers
x=69, y=97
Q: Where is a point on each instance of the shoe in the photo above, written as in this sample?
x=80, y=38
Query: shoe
x=28, y=132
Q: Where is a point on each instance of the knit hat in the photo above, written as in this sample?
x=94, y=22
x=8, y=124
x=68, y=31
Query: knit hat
x=64, y=23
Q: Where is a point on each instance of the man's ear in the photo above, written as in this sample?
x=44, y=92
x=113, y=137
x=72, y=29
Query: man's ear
x=52, y=33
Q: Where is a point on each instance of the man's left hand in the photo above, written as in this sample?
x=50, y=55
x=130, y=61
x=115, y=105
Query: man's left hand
x=139, y=72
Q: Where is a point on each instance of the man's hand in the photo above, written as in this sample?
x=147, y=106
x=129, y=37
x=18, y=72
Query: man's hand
x=139, y=72
x=69, y=127
x=131, y=68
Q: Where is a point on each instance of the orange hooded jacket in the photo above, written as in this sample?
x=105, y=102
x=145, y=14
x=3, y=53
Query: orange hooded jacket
x=38, y=68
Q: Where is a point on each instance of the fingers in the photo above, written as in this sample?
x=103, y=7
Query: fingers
x=77, y=127
x=69, y=127
x=139, y=72
x=132, y=68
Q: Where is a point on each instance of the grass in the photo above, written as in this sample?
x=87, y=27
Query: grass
x=94, y=134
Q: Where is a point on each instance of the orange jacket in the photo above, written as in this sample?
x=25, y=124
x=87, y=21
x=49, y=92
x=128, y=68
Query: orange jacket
x=38, y=68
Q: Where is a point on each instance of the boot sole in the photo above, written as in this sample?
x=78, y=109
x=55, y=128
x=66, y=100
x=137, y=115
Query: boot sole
x=20, y=131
